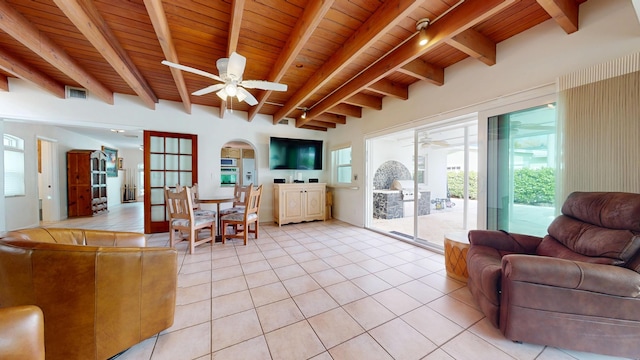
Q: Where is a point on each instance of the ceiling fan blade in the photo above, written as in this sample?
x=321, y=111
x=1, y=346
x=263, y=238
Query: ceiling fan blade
x=264, y=85
x=192, y=70
x=208, y=89
x=236, y=65
x=248, y=98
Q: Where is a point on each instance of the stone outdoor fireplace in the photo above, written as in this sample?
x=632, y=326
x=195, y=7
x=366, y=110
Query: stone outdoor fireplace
x=393, y=193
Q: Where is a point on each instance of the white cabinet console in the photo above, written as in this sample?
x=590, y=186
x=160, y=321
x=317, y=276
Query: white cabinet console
x=298, y=202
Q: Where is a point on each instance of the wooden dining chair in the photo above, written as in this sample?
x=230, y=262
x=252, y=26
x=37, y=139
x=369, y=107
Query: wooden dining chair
x=183, y=220
x=244, y=219
x=240, y=193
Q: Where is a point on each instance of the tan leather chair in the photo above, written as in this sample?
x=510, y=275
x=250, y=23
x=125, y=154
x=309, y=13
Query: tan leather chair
x=21, y=333
x=101, y=292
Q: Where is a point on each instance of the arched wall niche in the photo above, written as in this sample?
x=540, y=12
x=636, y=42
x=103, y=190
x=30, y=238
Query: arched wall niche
x=246, y=155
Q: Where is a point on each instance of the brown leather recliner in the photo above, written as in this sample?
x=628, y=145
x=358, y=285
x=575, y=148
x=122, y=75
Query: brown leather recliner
x=577, y=288
x=21, y=333
x=100, y=291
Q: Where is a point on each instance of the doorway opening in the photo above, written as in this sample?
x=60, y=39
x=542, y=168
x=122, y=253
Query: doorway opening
x=48, y=196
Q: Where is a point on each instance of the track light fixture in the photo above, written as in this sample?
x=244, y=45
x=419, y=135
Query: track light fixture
x=304, y=115
x=421, y=26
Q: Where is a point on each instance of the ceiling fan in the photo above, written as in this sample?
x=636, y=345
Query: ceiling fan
x=230, y=70
x=427, y=141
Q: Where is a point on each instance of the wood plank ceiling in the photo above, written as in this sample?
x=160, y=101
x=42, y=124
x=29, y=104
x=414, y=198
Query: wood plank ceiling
x=336, y=56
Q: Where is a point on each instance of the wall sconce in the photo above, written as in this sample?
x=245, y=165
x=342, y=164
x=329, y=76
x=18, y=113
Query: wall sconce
x=421, y=26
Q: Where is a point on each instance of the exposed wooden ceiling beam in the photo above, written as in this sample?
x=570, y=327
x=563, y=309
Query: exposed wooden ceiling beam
x=24, y=71
x=364, y=100
x=235, y=22
x=423, y=70
x=237, y=8
x=385, y=18
x=313, y=14
x=161, y=26
x=475, y=45
x=334, y=118
x=564, y=12
x=346, y=110
x=4, y=83
x=389, y=88
x=323, y=124
x=18, y=27
x=465, y=16
x=309, y=127
x=85, y=16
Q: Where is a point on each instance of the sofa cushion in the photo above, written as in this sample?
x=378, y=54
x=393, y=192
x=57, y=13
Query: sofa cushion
x=577, y=240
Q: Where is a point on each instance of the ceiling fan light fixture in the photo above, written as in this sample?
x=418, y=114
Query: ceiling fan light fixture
x=421, y=26
x=222, y=94
x=231, y=89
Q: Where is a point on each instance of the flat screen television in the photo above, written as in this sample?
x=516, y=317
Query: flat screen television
x=295, y=154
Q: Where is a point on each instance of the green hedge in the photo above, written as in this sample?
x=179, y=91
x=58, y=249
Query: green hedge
x=531, y=186
x=534, y=186
x=456, y=184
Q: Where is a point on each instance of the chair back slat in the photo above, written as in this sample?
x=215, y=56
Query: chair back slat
x=179, y=204
x=252, y=201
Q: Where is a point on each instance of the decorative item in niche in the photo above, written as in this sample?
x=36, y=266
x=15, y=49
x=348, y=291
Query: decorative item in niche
x=120, y=161
x=112, y=159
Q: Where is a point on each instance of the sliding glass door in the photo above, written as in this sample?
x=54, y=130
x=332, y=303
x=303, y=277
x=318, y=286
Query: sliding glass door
x=521, y=164
x=423, y=181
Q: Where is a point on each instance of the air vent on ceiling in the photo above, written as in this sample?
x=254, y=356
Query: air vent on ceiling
x=76, y=93
x=284, y=122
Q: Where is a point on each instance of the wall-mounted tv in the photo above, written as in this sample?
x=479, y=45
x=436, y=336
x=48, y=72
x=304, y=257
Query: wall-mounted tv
x=295, y=154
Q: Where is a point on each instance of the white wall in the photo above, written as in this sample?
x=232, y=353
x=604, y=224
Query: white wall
x=609, y=29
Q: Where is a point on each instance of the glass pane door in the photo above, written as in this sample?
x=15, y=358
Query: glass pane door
x=521, y=164
x=450, y=156
x=424, y=182
x=169, y=159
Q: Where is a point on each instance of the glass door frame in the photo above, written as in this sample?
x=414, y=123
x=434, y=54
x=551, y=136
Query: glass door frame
x=483, y=145
x=150, y=226
x=462, y=122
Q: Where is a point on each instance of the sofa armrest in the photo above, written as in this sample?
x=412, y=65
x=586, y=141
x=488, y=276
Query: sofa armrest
x=114, y=238
x=599, y=278
x=22, y=333
x=74, y=236
x=505, y=242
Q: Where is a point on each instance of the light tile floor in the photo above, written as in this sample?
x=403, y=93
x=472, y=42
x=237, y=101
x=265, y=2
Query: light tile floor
x=320, y=290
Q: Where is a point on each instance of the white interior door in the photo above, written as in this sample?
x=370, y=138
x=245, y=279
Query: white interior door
x=47, y=185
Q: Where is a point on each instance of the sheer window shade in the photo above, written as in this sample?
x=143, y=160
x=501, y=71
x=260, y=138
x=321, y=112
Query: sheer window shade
x=599, y=112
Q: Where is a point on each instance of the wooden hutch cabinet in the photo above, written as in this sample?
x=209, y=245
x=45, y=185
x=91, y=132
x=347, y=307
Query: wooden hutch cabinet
x=86, y=182
x=294, y=203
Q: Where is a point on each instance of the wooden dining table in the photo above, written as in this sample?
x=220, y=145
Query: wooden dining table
x=217, y=200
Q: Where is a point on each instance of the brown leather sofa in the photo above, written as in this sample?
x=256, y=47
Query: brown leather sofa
x=100, y=291
x=21, y=333
x=577, y=288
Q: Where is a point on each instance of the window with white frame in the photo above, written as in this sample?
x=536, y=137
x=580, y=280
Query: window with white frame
x=13, y=166
x=341, y=165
